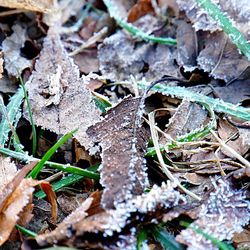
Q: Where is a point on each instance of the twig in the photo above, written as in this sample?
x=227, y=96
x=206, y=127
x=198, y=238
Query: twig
x=164, y=167
x=231, y=150
x=91, y=41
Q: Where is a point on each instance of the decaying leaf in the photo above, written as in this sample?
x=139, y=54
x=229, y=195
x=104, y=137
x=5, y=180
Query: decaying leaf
x=14, y=63
x=81, y=225
x=121, y=56
x=58, y=97
x=224, y=213
x=40, y=6
x=15, y=196
x=123, y=170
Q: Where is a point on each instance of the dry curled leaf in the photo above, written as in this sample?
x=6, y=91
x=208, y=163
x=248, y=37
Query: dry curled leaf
x=58, y=97
x=224, y=213
x=123, y=171
x=33, y=5
x=15, y=198
x=14, y=63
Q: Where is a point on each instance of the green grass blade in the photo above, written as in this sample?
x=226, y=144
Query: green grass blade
x=166, y=240
x=142, y=239
x=63, y=167
x=34, y=137
x=49, y=153
x=113, y=11
x=227, y=25
x=67, y=181
x=221, y=245
x=13, y=108
x=26, y=231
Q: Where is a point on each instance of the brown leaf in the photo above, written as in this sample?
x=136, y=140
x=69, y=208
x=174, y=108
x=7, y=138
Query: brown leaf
x=224, y=213
x=227, y=131
x=14, y=63
x=141, y=8
x=33, y=5
x=15, y=198
x=59, y=100
x=123, y=172
x=48, y=190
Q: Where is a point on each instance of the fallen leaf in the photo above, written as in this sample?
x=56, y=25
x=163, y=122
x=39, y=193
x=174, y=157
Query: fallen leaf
x=221, y=58
x=141, y=8
x=187, y=46
x=40, y=6
x=14, y=63
x=242, y=239
x=223, y=214
x=227, y=131
x=58, y=97
x=236, y=92
x=123, y=172
x=8, y=170
x=134, y=58
x=15, y=198
x=187, y=117
x=51, y=196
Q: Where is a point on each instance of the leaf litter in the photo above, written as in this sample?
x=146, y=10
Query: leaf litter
x=94, y=76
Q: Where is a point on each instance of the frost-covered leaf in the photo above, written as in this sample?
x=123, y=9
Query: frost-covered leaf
x=15, y=196
x=58, y=97
x=224, y=213
x=8, y=170
x=187, y=47
x=33, y=5
x=14, y=63
x=123, y=171
x=121, y=56
x=188, y=117
x=85, y=226
x=221, y=58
